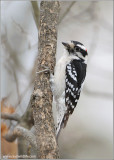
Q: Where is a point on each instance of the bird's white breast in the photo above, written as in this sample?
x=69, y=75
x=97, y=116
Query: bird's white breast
x=59, y=74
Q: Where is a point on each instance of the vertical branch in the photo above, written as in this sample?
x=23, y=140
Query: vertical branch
x=36, y=12
x=42, y=95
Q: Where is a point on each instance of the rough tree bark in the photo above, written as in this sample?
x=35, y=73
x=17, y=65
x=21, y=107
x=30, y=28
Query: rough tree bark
x=42, y=95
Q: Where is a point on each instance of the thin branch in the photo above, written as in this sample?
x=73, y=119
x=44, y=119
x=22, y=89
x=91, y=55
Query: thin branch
x=20, y=28
x=11, y=55
x=29, y=150
x=24, y=93
x=80, y=14
x=14, y=116
x=27, y=117
x=66, y=12
x=25, y=133
x=16, y=82
x=36, y=12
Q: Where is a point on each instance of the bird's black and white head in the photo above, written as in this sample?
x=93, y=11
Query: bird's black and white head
x=76, y=48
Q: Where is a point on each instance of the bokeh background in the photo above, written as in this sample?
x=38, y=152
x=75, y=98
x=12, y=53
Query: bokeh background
x=89, y=132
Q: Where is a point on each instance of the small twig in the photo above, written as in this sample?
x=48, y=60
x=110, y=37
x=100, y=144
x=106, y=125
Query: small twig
x=20, y=27
x=25, y=133
x=42, y=71
x=13, y=116
x=16, y=82
x=24, y=93
x=66, y=12
x=11, y=56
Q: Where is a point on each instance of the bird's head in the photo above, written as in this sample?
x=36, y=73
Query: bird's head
x=76, y=48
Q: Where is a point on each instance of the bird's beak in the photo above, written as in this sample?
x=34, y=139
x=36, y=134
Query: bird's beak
x=65, y=44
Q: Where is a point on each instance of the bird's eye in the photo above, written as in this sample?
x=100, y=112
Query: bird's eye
x=77, y=49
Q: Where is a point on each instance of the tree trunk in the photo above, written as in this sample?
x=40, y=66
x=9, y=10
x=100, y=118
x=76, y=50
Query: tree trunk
x=42, y=95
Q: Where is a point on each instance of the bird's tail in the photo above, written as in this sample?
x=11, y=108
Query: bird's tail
x=60, y=116
x=58, y=130
x=62, y=124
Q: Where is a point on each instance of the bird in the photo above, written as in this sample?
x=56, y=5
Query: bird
x=67, y=81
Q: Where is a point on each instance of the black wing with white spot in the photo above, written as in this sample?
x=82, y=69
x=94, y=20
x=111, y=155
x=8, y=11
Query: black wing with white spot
x=75, y=76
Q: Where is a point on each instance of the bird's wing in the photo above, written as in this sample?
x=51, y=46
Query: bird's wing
x=75, y=75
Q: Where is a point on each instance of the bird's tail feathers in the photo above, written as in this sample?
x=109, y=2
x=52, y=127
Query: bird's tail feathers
x=58, y=130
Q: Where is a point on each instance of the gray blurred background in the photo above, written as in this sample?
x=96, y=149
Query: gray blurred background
x=88, y=134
